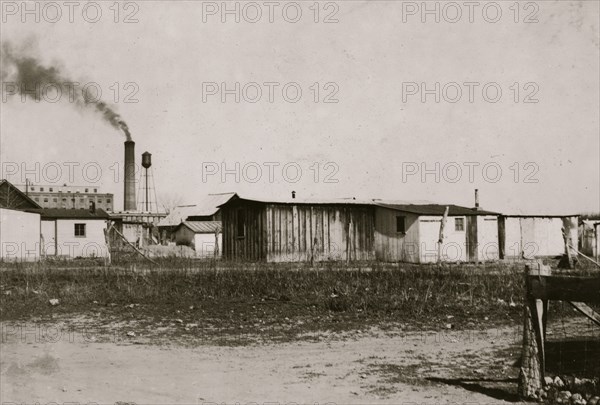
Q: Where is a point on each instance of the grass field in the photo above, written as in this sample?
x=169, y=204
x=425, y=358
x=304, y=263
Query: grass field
x=282, y=300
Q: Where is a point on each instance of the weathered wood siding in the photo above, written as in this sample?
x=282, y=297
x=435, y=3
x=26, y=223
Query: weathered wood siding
x=306, y=232
x=392, y=246
x=252, y=246
x=298, y=232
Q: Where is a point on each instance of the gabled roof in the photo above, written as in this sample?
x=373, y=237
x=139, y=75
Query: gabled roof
x=436, y=209
x=65, y=213
x=202, y=226
x=12, y=197
x=207, y=206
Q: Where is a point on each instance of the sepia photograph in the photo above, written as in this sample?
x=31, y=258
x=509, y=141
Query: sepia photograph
x=290, y=202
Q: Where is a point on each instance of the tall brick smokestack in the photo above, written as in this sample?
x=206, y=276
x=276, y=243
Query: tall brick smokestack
x=129, y=183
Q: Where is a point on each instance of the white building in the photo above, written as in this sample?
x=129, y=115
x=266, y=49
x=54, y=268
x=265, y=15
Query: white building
x=19, y=235
x=202, y=236
x=73, y=233
x=530, y=236
x=410, y=233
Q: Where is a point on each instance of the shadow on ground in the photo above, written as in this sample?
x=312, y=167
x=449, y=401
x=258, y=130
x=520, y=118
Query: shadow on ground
x=502, y=389
x=574, y=357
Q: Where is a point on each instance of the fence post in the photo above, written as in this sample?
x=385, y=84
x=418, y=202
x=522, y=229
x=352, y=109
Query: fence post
x=531, y=373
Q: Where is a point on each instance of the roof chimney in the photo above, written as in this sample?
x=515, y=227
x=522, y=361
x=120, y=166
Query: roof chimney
x=476, y=199
x=293, y=194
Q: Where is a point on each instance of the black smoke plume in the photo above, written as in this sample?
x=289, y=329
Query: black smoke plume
x=30, y=76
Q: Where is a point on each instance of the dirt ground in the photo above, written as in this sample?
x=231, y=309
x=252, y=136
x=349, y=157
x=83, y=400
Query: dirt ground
x=371, y=366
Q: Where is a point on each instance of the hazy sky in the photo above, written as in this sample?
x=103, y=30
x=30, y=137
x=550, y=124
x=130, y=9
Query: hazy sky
x=377, y=61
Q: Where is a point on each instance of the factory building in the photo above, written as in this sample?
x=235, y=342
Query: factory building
x=67, y=197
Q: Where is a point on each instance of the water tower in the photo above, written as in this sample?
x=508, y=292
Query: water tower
x=147, y=192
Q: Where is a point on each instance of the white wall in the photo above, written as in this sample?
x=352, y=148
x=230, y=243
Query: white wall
x=93, y=244
x=48, y=237
x=204, y=244
x=538, y=236
x=454, y=248
x=487, y=238
x=19, y=235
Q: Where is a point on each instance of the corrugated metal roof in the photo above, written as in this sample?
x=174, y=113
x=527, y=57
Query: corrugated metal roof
x=435, y=209
x=203, y=226
x=416, y=207
x=66, y=213
x=322, y=201
x=207, y=206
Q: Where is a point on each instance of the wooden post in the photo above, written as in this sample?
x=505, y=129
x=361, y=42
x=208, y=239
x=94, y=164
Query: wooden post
x=567, y=249
x=531, y=373
x=441, y=236
x=108, y=260
x=349, y=241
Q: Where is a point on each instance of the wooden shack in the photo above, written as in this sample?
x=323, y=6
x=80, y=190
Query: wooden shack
x=297, y=230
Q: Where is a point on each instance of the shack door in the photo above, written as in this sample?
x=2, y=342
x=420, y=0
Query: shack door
x=471, y=238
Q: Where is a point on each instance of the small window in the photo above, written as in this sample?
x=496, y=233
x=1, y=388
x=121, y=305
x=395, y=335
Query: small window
x=64, y=199
x=95, y=190
x=54, y=199
x=108, y=200
x=241, y=225
x=32, y=189
x=459, y=224
x=82, y=200
x=36, y=199
x=80, y=230
x=51, y=189
x=99, y=200
x=86, y=190
x=41, y=188
x=45, y=200
x=401, y=224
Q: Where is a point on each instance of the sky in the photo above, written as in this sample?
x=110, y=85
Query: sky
x=365, y=99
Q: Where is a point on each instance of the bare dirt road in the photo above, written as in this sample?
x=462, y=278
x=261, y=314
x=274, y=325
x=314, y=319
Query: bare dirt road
x=360, y=367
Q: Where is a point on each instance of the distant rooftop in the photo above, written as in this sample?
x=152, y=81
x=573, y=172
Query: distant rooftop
x=436, y=209
x=202, y=226
x=66, y=213
x=207, y=206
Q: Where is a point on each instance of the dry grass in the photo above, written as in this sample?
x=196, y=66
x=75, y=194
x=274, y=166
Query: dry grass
x=283, y=299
